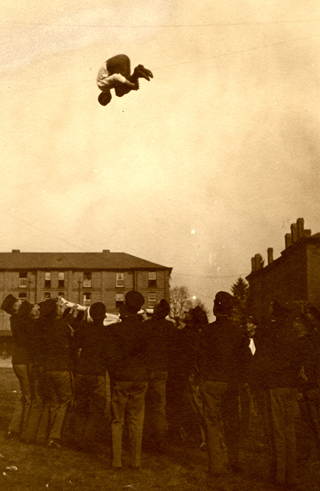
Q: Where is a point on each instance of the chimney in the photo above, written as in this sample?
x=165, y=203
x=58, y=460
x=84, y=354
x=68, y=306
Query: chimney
x=294, y=232
x=270, y=255
x=253, y=264
x=307, y=233
x=106, y=251
x=15, y=250
x=257, y=258
x=288, y=240
x=300, y=227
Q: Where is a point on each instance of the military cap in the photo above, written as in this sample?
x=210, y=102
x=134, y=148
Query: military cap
x=224, y=302
x=8, y=303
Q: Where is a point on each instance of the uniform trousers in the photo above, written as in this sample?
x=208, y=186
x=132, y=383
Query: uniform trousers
x=284, y=449
x=60, y=386
x=220, y=404
x=22, y=408
x=36, y=426
x=128, y=403
x=310, y=414
x=89, y=406
x=156, y=406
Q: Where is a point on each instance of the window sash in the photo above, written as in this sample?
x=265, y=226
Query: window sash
x=86, y=299
x=87, y=280
x=152, y=299
x=119, y=280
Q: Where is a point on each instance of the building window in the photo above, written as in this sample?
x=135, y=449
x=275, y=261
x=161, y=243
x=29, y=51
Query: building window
x=47, y=295
x=119, y=300
x=23, y=296
x=87, y=299
x=61, y=280
x=23, y=280
x=61, y=294
x=86, y=280
x=152, y=279
x=47, y=280
x=119, y=279
x=152, y=300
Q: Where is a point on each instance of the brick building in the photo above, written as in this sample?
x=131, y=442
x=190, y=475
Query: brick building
x=82, y=278
x=294, y=277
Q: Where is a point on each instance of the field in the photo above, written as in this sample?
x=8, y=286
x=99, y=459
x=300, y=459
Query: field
x=30, y=467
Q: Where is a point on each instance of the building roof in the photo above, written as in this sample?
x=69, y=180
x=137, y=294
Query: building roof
x=106, y=260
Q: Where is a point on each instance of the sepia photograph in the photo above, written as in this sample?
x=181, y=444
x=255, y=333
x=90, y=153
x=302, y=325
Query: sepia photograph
x=160, y=245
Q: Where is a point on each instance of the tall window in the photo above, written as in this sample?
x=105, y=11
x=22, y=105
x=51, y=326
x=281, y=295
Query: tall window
x=23, y=296
x=152, y=279
x=119, y=300
x=61, y=294
x=61, y=280
x=47, y=279
x=119, y=279
x=152, y=300
x=87, y=280
x=47, y=295
x=87, y=299
x=23, y=279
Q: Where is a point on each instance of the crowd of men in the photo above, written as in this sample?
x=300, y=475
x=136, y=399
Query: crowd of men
x=169, y=379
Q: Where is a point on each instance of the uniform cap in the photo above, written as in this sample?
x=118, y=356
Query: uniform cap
x=8, y=303
x=224, y=302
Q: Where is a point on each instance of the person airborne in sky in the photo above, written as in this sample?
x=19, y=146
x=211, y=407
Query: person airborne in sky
x=115, y=74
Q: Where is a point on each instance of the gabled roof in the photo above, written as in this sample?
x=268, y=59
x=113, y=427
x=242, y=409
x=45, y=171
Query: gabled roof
x=75, y=260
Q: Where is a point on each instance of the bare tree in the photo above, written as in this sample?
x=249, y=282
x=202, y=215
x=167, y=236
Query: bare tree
x=181, y=301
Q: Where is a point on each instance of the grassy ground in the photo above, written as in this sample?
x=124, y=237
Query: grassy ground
x=30, y=467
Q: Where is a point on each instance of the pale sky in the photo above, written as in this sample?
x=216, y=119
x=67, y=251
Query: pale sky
x=206, y=165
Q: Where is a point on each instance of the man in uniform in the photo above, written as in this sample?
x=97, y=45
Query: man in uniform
x=21, y=360
x=129, y=381
x=220, y=347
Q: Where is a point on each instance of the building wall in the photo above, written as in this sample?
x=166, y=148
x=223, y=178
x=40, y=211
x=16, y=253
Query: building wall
x=313, y=275
x=287, y=279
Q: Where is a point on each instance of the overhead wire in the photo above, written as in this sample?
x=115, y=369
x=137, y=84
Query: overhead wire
x=151, y=26
x=200, y=60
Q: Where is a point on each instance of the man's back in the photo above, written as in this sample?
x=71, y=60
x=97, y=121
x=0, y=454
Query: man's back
x=159, y=339
x=220, y=344
x=91, y=339
x=57, y=342
x=126, y=349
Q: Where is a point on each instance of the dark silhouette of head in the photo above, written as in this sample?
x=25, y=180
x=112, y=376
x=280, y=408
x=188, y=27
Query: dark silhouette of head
x=97, y=311
x=223, y=304
x=161, y=309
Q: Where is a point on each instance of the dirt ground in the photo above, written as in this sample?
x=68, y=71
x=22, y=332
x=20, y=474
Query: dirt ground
x=182, y=467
